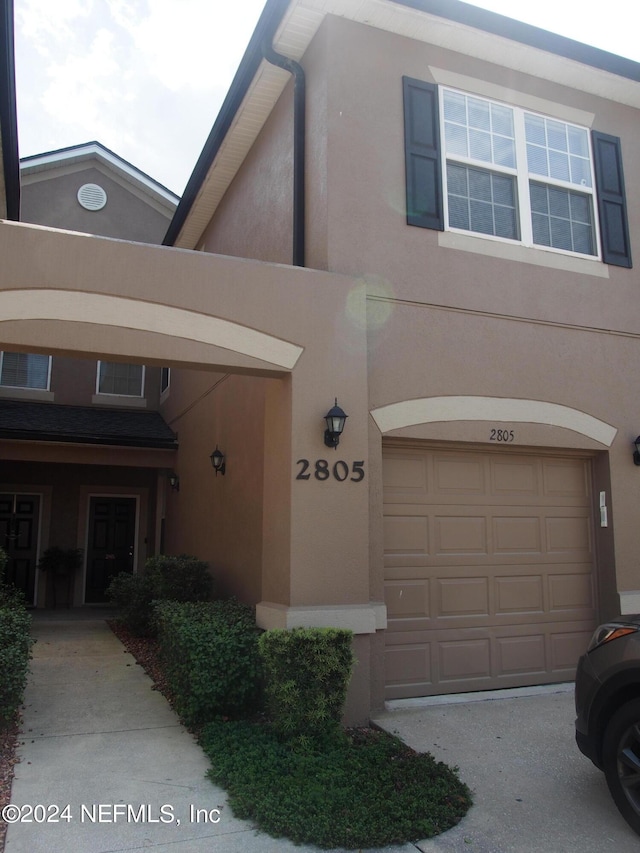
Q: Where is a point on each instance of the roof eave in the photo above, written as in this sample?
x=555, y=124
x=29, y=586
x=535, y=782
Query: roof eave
x=456, y=11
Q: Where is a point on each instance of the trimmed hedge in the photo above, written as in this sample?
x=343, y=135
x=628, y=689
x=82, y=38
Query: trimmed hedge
x=210, y=657
x=15, y=645
x=181, y=578
x=307, y=673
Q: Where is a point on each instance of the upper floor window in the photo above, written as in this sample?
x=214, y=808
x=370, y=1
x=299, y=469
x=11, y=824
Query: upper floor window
x=489, y=168
x=25, y=370
x=517, y=175
x=124, y=380
x=165, y=379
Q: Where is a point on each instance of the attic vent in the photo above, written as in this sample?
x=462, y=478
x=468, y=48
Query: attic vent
x=92, y=197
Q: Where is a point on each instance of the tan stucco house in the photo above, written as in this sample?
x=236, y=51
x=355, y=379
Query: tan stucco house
x=416, y=209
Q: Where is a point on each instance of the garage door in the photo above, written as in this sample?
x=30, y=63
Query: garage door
x=489, y=569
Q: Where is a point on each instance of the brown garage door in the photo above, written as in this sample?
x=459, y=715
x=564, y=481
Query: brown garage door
x=489, y=570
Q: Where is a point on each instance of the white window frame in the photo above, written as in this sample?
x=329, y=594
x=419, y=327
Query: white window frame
x=26, y=387
x=523, y=178
x=165, y=390
x=109, y=394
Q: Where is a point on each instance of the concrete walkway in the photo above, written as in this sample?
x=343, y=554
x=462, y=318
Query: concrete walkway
x=97, y=738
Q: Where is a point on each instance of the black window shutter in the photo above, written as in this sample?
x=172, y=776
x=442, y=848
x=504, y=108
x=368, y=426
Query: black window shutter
x=612, y=203
x=422, y=154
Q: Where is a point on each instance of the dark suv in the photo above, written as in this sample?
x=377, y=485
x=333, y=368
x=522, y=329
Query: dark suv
x=608, y=708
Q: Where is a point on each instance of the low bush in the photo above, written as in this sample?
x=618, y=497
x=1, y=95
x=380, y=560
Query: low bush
x=15, y=646
x=181, y=578
x=132, y=594
x=307, y=673
x=365, y=789
x=210, y=657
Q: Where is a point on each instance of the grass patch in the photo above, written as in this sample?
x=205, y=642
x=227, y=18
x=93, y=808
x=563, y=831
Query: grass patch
x=359, y=788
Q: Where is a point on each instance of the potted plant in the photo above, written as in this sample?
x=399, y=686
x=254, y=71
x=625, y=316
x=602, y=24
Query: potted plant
x=61, y=564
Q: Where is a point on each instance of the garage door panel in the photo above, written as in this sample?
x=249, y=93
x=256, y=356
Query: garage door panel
x=407, y=600
x=571, y=591
x=519, y=655
x=462, y=534
x=463, y=659
x=462, y=597
x=404, y=534
x=566, y=646
x=517, y=534
x=520, y=595
x=565, y=478
x=456, y=475
x=406, y=473
x=510, y=478
x=409, y=668
x=488, y=569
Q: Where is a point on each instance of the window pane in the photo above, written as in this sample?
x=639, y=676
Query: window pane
x=482, y=202
x=165, y=374
x=122, y=379
x=537, y=160
x=479, y=129
x=502, y=120
x=559, y=166
x=578, y=141
x=479, y=115
x=580, y=171
x=535, y=130
x=456, y=140
x=549, y=144
x=504, y=152
x=558, y=202
x=541, y=232
x=480, y=145
x=459, y=213
x=557, y=135
x=25, y=370
x=562, y=219
x=455, y=107
x=479, y=185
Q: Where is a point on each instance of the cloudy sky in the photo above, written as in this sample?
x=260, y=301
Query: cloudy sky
x=146, y=78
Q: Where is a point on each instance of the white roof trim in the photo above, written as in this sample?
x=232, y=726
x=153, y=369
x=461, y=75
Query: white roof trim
x=78, y=153
x=300, y=24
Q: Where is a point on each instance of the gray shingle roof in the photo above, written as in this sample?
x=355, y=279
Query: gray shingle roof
x=29, y=421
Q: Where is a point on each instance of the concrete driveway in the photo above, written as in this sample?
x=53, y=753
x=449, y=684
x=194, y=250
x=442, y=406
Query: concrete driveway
x=533, y=790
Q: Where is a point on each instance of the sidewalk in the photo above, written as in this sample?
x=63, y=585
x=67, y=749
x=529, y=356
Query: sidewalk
x=97, y=738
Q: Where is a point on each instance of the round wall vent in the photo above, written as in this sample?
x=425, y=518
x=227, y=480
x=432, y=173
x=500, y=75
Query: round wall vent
x=92, y=197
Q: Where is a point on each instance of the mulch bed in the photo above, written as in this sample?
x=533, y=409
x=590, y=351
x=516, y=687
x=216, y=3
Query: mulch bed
x=9, y=739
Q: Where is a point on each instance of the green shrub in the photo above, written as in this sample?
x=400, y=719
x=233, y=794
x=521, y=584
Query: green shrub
x=363, y=790
x=307, y=672
x=181, y=578
x=15, y=645
x=210, y=658
x=133, y=596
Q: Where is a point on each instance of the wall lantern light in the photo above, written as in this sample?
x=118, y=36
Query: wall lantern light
x=335, y=419
x=636, y=452
x=218, y=461
x=174, y=481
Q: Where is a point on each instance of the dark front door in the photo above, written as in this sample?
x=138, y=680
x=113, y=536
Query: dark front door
x=19, y=516
x=111, y=545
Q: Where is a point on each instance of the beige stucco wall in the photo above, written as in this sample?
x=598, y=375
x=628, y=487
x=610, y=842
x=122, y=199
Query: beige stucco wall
x=50, y=198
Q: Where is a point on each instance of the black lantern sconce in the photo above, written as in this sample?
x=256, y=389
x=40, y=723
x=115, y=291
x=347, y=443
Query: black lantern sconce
x=336, y=420
x=174, y=481
x=636, y=452
x=218, y=461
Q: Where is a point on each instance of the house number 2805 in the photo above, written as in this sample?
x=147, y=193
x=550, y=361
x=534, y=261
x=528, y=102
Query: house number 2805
x=322, y=470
